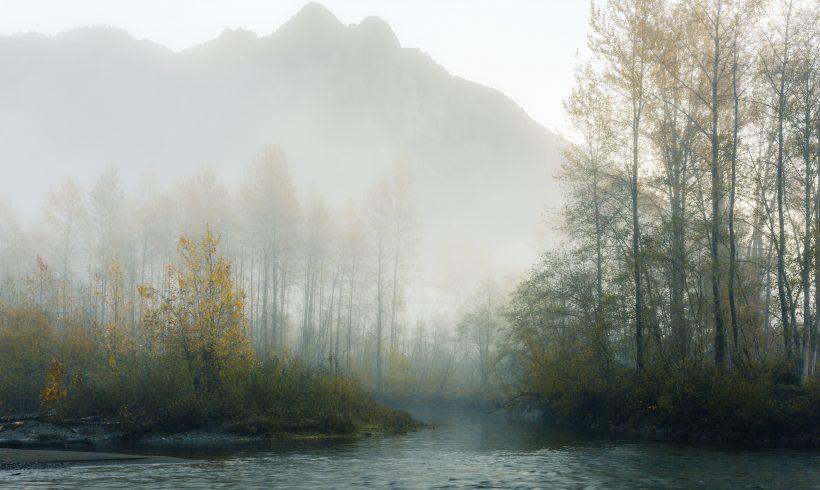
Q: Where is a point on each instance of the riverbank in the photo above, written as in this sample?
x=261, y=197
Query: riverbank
x=460, y=449
x=760, y=407
x=51, y=431
x=688, y=435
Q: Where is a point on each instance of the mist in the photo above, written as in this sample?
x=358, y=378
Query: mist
x=345, y=103
x=318, y=258
x=365, y=199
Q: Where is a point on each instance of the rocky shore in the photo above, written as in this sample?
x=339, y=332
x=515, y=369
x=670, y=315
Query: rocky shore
x=47, y=431
x=41, y=433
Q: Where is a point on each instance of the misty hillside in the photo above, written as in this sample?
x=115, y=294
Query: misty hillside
x=345, y=102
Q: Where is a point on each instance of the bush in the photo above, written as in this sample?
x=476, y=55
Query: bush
x=764, y=403
x=190, y=366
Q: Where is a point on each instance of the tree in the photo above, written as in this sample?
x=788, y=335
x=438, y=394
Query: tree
x=315, y=320
x=107, y=199
x=403, y=217
x=378, y=208
x=481, y=325
x=672, y=133
x=706, y=37
x=203, y=202
x=588, y=175
x=353, y=258
x=272, y=214
x=621, y=38
x=199, y=316
x=64, y=211
x=803, y=126
x=776, y=67
x=12, y=242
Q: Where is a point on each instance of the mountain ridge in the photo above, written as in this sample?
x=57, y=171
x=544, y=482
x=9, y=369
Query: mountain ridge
x=344, y=101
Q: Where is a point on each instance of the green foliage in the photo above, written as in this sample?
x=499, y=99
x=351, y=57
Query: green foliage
x=26, y=345
x=284, y=396
x=565, y=374
x=32, y=350
x=278, y=395
x=191, y=366
x=767, y=403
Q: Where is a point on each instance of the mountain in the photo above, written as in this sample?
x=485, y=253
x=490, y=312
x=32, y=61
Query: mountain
x=345, y=102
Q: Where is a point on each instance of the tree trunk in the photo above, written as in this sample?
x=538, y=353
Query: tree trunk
x=816, y=328
x=732, y=188
x=808, y=323
x=394, y=300
x=636, y=240
x=264, y=341
x=781, y=223
x=716, y=194
x=350, y=319
x=379, y=309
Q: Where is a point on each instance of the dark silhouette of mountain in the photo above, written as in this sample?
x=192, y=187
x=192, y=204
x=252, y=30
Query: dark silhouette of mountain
x=345, y=102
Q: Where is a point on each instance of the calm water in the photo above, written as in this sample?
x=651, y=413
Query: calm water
x=464, y=450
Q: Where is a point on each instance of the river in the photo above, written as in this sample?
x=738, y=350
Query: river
x=460, y=450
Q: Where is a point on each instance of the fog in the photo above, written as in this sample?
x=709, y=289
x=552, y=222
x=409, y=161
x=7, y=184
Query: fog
x=345, y=103
x=113, y=148
x=318, y=258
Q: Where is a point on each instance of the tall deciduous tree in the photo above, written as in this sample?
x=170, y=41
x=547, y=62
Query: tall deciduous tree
x=65, y=210
x=272, y=214
x=621, y=37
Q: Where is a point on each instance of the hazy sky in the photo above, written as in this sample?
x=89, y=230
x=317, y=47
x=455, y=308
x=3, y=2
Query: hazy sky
x=525, y=48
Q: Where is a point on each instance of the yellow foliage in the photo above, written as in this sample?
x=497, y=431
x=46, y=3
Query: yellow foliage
x=145, y=291
x=53, y=393
x=200, y=315
x=117, y=341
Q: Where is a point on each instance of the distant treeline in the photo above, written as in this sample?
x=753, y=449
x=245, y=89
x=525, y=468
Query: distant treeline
x=688, y=290
x=189, y=365
x=328, y=288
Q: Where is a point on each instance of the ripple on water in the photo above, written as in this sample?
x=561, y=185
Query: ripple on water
x=465, y=450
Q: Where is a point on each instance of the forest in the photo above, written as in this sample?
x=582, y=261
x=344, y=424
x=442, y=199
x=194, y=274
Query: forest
x=686, y=296
x=177, y=308
x=683, y=299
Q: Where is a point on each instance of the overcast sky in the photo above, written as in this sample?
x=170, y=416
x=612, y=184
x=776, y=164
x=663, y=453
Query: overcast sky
x=524, y=48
